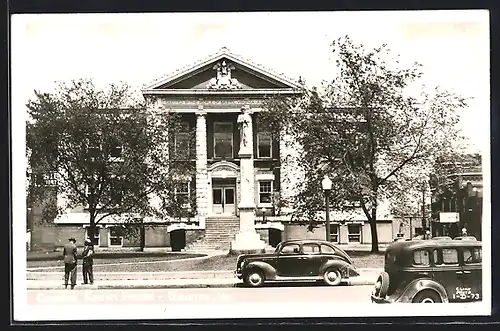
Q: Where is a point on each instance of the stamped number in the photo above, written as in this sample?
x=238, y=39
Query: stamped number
x=465, y=293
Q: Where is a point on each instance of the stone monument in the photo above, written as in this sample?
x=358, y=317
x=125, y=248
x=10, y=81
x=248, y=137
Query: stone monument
x=247, y=240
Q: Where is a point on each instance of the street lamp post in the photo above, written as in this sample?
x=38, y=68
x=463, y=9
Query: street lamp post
x=326, y=183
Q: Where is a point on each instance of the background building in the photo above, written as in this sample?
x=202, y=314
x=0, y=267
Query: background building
x=210, y=95
x=458, y=201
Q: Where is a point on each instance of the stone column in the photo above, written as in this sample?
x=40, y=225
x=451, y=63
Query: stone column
x=247, y=240
x=201, y=166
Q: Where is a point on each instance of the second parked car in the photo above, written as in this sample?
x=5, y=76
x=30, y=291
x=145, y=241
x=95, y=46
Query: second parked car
x=430, y=271
x=297, y=260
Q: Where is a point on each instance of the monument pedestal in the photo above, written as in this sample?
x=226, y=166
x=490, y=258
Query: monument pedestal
x=247, y=240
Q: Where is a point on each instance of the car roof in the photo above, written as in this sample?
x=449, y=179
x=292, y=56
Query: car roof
x=306, y=241
x=420, y=244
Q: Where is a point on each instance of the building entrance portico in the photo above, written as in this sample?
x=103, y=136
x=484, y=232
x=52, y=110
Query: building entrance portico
x=223, y=191
x=224, y=196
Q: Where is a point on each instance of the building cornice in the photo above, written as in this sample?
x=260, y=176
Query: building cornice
x=207, y=92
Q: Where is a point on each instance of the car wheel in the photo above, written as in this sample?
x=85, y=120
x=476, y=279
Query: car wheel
x=332, y=276
x=382, y=285
x=426, y=297
x=254, y=278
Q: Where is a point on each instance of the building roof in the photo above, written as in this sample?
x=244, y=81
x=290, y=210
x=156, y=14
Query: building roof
x=211, y=59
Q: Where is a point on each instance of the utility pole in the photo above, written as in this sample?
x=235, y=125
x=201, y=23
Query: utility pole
x=424, y=225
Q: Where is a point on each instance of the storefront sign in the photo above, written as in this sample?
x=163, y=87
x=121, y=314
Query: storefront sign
x=449, y=217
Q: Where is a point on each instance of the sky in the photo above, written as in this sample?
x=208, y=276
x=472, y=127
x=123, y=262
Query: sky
x=453, y=46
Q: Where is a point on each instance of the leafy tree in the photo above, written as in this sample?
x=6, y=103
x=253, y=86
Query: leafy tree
x=366, y=130
x=107, y=151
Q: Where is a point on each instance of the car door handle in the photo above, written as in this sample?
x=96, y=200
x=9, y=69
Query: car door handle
x=466, y=272
x=459, y=272
x=301, y=258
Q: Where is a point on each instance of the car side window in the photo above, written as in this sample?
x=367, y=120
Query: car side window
x=290, y=249
x=325, y=249
x=421, y=258
x=472, y=255
x=310, y=249
x=449, y=256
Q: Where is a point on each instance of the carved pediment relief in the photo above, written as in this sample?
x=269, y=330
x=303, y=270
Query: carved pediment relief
x=223, y=79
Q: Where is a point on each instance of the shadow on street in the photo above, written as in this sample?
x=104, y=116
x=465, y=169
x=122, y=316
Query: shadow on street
x=291, y=284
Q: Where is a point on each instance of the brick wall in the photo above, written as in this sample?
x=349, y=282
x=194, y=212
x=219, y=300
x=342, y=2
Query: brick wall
x=157, y=236
x=50, y=236
x=132, y=239
x=384, y=231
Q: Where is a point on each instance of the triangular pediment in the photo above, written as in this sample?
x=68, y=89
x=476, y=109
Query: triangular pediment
x=223, y=71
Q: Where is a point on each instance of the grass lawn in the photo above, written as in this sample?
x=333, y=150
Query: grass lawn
x=106, y=260
x=223, y=262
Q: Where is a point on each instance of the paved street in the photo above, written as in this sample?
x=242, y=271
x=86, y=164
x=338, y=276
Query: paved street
x=300, y=293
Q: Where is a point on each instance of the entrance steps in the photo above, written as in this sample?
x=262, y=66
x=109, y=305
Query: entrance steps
x=219, y=232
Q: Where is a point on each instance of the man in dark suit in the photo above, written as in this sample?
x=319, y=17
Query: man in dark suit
x=70, y=260
x=88, y=262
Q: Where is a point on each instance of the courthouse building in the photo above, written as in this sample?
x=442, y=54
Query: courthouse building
x=238, y=168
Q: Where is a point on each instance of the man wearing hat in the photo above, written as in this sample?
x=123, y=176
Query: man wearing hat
x=70, y=259
x=88, y=261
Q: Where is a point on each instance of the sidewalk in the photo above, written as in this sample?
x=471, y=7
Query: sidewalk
x=203, y=279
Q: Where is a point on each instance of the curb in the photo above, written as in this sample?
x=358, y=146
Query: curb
x=123, y=276
x=159, y=276
x=233, y=283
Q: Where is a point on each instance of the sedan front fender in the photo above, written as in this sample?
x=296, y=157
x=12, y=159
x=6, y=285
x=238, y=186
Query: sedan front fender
x=268, y=270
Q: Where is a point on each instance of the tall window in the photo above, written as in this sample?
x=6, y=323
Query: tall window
x=334, y=233
x=264, y=145
x=181, y=192
x=265, y=191
x=182, y=142
x=116, y=236
x=354, y=231
x=223, y=140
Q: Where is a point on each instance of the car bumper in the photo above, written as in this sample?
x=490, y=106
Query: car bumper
x=238, y=274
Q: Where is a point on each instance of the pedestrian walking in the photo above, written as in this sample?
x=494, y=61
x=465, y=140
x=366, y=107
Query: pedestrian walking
x=70, y=259
x=88, y=262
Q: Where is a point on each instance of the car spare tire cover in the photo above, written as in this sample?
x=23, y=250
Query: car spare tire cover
x=383, y=278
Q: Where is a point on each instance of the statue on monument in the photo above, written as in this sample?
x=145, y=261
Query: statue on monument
x=223, y=78
x=244, y=120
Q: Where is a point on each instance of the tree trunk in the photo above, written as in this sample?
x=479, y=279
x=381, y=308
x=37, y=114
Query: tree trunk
x=92, y=230
x=142, y=234
x=373, y=228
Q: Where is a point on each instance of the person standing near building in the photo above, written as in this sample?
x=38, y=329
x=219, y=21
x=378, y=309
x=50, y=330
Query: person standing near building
x=70, y=259
x=88, y=262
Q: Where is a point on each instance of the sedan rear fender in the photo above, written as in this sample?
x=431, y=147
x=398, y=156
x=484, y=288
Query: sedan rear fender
x=268, y=270
x=423, y=284
x=345, y=268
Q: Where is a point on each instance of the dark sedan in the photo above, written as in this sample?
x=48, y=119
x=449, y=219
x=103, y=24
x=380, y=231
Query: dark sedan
x=297, y=260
